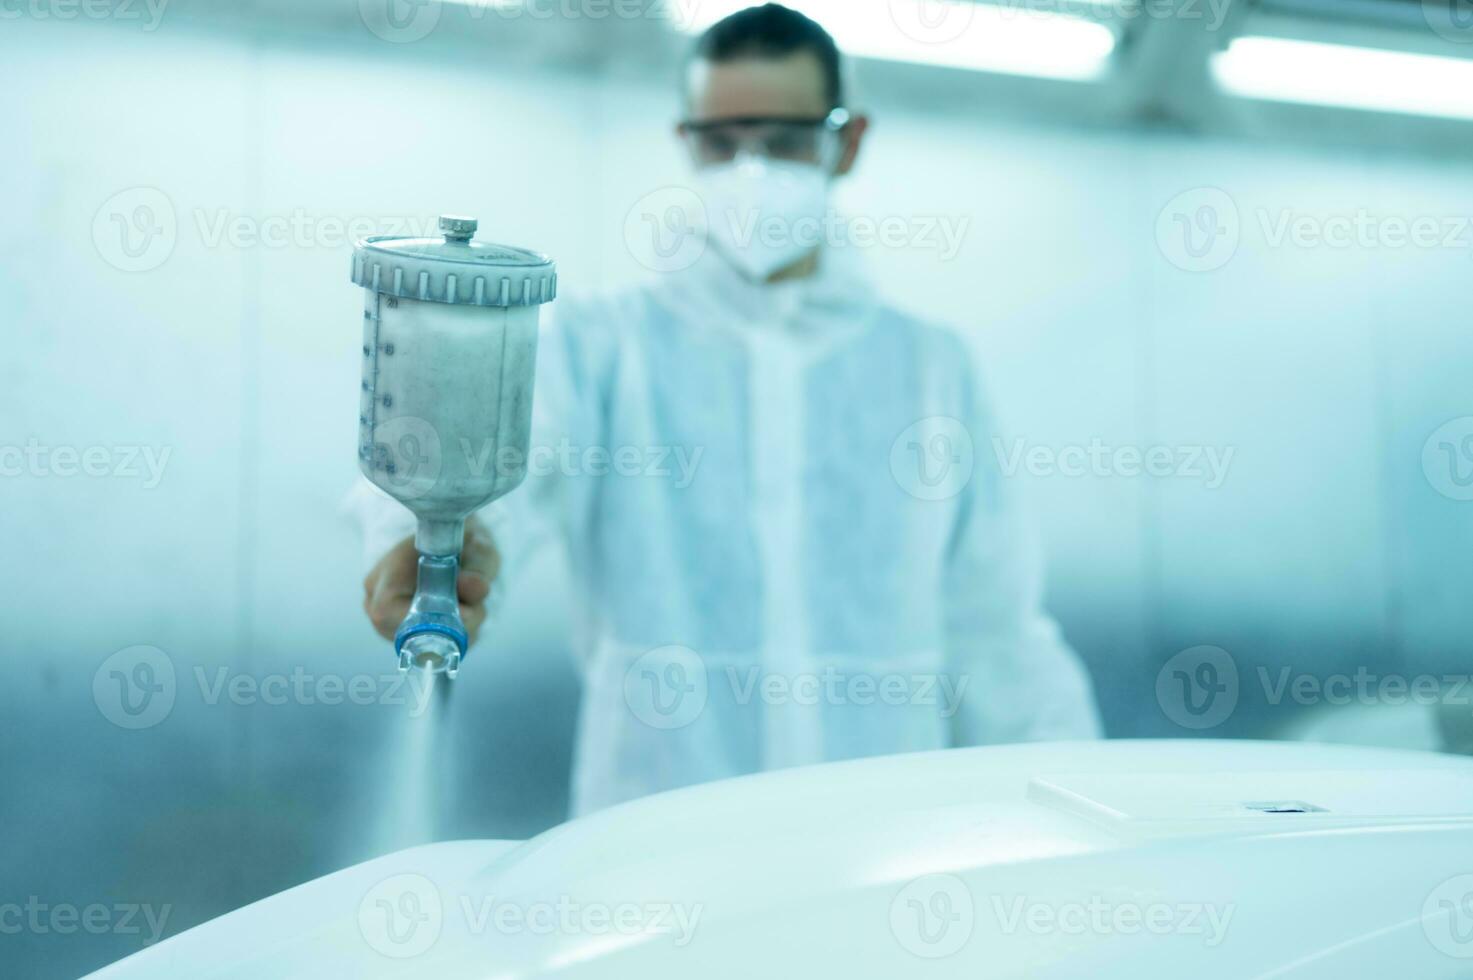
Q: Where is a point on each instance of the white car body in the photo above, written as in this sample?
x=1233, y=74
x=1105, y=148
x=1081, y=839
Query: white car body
x=1104, y=860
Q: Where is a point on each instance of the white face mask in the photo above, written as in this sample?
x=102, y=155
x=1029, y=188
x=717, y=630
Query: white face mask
x=764, y=215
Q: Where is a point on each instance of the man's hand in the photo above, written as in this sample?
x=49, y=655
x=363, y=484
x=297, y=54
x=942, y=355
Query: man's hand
x=388, y=589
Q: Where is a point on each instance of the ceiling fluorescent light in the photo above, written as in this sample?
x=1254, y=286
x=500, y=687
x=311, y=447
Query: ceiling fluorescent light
x=1009, y=39
x=1284, y=70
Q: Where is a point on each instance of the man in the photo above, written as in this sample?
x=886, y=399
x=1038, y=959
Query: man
x=832, y=572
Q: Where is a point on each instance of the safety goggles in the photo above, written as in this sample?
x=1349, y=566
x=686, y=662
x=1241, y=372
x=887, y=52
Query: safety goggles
x=799, y=140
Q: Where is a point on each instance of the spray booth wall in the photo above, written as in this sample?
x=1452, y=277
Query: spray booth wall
x=1324, y=369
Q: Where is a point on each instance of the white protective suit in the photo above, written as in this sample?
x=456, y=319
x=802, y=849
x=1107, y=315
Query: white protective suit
x=766, y=576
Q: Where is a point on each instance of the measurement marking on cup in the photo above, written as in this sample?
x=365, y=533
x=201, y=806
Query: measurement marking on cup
x=370, y=383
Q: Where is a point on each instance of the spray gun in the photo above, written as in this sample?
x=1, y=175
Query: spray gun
x=449, y=354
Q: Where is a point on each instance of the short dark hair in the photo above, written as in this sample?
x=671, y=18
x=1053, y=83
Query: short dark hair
x=775, y=31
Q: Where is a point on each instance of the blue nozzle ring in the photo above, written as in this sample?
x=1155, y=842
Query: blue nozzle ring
x=459, y=636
